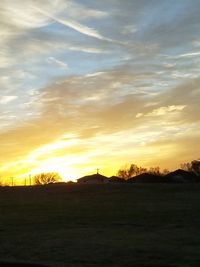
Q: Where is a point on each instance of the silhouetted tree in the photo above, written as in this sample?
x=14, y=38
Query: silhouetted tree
x=154, y=170
x=187, y=166
x=130, y=171
x=157, y=171
x=196, y=167
x=193, y=166
x=46, y=178
x=133, y=170
x=165, y=172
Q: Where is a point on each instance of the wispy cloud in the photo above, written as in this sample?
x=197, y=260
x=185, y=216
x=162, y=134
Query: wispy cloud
x=7, y=98
x=74, y=25
x=81, y=28
x=92, y=50
x=165, y=110
x=192, y=54
x=57, y=62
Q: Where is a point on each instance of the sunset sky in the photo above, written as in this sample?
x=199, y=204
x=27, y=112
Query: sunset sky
x=97, y=84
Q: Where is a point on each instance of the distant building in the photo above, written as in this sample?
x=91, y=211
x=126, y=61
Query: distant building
x=116, y=179
x=93, y=179
x=181, y=176
x=146, y=178
x=178, y=176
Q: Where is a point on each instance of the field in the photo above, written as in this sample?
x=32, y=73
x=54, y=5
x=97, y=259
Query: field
x=104, y=225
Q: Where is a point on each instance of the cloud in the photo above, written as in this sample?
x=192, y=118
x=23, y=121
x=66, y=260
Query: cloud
x=74, y=25
x=81, y=28
x=81, y=12
x=99, y=119
x=7, y=98
x=92, y=50
x=192, y=54
x=129, y=29
x=196, y=43
x=122, y=77
x=57, y=62
x=20, y=28
x=165, y=110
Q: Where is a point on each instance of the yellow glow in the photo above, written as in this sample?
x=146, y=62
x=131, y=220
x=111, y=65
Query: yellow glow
x=73, y=157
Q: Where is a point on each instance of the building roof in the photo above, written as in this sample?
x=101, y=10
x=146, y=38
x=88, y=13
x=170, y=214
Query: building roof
x=182, y=176
x=145, y=178
x=116, y=179
x=95, y=177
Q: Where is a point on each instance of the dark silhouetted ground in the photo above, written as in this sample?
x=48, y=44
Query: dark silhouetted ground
x=143, y=225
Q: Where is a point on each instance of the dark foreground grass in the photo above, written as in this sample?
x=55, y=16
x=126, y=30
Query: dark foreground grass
x=105, y=225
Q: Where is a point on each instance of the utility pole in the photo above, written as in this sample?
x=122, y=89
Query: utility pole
x=30, y=179
x=12, y=181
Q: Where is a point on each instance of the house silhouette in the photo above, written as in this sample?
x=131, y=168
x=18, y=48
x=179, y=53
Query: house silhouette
x=93, y=179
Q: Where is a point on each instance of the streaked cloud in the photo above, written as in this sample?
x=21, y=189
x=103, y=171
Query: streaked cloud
x=192, y=54
x=92, y=50
x=74, y=25
x=57, y=62
x=81, y=28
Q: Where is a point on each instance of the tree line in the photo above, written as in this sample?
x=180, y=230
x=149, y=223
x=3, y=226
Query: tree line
x=126, y=172
x=132, y=170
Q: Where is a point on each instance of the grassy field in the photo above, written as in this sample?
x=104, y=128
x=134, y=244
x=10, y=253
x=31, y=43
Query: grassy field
x=105, y=225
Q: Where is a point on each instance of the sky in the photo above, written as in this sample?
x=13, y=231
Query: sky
x=98, y=84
